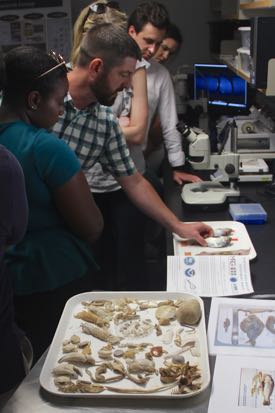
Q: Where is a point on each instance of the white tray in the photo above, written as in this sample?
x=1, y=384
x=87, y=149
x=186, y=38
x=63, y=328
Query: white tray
x=240, y=242
x=69, y=325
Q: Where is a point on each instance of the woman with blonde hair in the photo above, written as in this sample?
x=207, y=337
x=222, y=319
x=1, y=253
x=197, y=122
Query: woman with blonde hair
x=123, y=235
x=96, y=13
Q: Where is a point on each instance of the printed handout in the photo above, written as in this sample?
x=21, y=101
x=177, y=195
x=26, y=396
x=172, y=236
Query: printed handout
x=242, y=384
x=209, y=276
x=242, y=326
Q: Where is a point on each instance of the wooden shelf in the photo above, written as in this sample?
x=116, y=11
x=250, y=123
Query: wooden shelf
x=260, y=4
x=228, y=60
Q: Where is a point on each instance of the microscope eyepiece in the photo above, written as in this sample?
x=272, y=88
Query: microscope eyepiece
x=183, y=129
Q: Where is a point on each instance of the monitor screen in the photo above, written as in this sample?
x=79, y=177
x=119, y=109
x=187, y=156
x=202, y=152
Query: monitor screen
x=219, y=85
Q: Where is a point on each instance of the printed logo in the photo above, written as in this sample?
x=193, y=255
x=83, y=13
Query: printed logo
x=189, y=260
x=189, y=272
x=233, y=279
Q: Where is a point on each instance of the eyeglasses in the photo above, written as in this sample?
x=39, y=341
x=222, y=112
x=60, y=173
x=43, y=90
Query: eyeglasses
x=59, y=60
x=100, y=8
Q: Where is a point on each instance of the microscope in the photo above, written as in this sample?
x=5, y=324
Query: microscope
x=223, y=183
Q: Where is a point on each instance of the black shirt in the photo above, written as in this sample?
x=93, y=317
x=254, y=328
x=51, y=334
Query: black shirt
x=13, y=223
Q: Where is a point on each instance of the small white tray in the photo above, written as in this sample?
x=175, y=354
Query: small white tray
x=70, y=325
x=240, y=243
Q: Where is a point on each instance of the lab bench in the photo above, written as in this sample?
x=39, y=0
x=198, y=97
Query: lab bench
x=29, y=397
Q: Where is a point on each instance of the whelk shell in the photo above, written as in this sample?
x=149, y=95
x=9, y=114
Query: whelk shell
x=77, y=358
x=92, y=318
x=66, y=369
x=100, y=333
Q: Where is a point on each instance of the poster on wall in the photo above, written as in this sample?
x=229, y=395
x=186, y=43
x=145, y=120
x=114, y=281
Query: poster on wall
x=42, y=23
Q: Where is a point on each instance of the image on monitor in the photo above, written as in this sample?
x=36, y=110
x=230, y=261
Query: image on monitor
x=219, y=85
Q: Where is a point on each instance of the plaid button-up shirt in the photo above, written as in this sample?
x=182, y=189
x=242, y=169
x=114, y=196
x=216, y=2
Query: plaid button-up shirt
x=95, y=136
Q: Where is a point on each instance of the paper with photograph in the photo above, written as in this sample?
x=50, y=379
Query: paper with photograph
x=249, y=388
x=242, y=326
x=209, y=276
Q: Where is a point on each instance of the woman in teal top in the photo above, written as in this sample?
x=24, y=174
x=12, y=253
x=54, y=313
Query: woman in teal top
x=49, y=264
x=48, y=163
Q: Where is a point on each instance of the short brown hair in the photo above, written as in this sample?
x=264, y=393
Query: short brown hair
x=110, y=43
x=149, y=12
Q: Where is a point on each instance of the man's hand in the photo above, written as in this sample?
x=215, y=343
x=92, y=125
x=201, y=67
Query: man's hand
x=181, y=177
x=143, y=195
x=197, y=231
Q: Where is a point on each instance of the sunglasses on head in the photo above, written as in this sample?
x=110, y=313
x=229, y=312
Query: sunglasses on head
x=58, y=59
x=100, y=8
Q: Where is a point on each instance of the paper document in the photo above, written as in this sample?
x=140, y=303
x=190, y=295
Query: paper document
x=242, y=327
x=242, y=384
x=209, y=276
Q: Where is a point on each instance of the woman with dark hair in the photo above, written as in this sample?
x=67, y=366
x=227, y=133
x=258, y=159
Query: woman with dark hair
x=50, y=263
x=170, y=45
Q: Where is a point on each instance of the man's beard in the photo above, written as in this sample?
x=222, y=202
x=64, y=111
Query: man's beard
x=102, y=91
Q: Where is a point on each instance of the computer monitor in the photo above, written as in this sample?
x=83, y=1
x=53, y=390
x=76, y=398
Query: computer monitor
x=220, y=86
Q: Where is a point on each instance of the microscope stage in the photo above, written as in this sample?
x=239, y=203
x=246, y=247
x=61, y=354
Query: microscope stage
x=207, y=193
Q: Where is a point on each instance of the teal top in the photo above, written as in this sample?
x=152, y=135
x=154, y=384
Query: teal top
x=49, y=255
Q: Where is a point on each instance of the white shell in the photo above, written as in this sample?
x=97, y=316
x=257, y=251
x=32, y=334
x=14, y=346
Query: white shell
x=218, y=242
x=166, y=312
x=220, y=232
x=167, y=337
